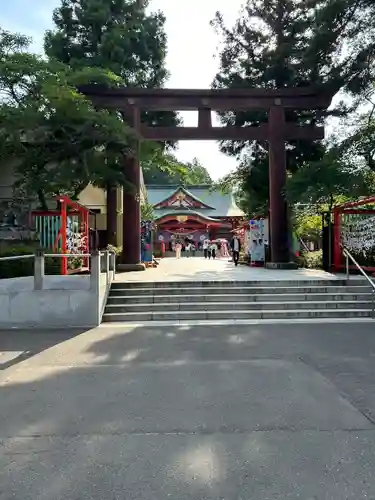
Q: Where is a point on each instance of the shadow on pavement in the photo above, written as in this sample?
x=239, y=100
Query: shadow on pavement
x=19, y=345
x=177, y=344
x=189, y=413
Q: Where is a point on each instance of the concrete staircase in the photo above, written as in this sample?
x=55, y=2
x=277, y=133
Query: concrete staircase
x=226, y=300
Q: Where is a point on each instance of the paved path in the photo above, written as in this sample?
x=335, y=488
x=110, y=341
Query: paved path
x=200, y=269
x=190, y=413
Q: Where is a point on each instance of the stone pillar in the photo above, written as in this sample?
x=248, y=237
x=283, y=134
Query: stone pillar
x=39, y=262
x=278, y=224
x=95, y=271
x=130, y=258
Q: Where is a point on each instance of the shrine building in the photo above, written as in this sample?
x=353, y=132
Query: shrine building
x=195, y=213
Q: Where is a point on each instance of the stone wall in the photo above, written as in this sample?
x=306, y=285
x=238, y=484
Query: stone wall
x=65, y=301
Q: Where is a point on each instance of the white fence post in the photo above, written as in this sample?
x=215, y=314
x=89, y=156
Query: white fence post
x=95, y=272
x=107, y=265
x=113, y=264
x=39, y=262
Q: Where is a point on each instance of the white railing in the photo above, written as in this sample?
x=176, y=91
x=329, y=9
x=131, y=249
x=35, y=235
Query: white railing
x=348, y=257
x=99, y=262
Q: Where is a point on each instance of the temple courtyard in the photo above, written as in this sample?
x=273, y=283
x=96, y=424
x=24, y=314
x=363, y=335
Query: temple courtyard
x=264, y=412
x=201, y=269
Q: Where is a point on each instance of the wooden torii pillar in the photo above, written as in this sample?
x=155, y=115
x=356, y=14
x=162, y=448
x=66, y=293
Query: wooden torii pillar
x=131, y=101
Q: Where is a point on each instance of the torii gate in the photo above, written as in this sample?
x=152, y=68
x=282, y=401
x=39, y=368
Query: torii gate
x=131, y=101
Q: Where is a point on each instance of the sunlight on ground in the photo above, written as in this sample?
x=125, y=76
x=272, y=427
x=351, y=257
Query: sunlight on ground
x=132, y=355
x=200, y=269
x=236, y=339
x=201, y=464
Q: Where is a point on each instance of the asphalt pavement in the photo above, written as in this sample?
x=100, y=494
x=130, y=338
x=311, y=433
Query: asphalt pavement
x=189, y=413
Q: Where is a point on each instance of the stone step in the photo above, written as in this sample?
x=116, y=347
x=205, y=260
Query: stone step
x=235, y=306
x=235, y=298
x=242, y=290
x=231, y=284
x=239, y=315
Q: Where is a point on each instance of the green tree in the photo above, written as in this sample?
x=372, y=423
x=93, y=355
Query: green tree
x=308, y=225
x=319, y=186
x=122, y=37
x=197, y=173
x=172, y=171
x=325, y=181
x=359, y=146
x=52, y=134
x=291, y=43
x=117, y=34
x=147, y=211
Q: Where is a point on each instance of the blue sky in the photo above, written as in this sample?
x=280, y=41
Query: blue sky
x=191, y=58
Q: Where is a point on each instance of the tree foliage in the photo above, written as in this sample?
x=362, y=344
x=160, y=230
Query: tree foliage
x=359, y=145
x=291, y=43
x=320, y=183
x=174, y=171
x=120, y=36
x=57, y=141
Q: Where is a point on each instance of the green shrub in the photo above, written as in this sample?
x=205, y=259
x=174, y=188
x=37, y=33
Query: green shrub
x=311, y=260
x=24, y=267
x=116, y=250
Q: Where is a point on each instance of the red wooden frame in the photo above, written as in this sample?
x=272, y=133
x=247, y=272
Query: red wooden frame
x=169, y=219
x=347, y=208
x=68, y=207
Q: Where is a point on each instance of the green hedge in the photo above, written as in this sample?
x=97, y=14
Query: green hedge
x=311, y=260
x=24, y=267
x=116, y=250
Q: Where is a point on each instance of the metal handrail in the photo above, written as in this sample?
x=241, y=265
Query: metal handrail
x=17, y=257
x=348, y=256
x=39, y=270
x=31, y=256
x=71, y=255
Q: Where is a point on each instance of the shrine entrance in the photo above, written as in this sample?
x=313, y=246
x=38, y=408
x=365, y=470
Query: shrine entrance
x=132, y=101
x=186, y=228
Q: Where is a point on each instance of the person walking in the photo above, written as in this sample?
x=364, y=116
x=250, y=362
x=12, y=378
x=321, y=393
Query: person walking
x=206, y=244
x=178, y=249
x=213, y=249
x=235, y=245
x=188, y=249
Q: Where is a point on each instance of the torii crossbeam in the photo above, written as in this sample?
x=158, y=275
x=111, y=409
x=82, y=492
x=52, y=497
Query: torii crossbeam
x=131, y=101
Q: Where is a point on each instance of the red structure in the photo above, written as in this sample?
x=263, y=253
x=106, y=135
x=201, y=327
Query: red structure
x=339, y=213
x=131, y=102
x=56, y=229
x=195, y=213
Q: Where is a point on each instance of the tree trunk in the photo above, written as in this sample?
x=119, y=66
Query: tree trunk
x=42, y=200
x=331, y=201
x=112, y=215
